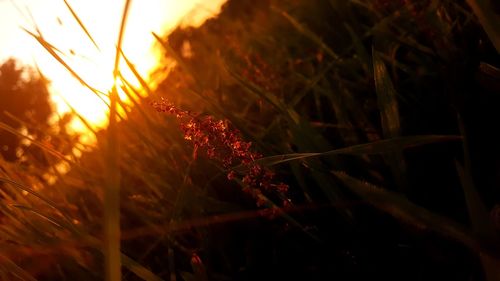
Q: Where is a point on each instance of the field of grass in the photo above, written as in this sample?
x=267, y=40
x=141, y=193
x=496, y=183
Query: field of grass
x=293, y=140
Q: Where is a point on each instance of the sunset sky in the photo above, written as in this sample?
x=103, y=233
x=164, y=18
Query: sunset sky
x=102, y=19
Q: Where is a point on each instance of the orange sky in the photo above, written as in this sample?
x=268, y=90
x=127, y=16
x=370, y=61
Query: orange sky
x=102, y=19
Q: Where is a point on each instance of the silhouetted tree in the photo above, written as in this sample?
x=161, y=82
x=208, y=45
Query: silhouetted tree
x=23, y=96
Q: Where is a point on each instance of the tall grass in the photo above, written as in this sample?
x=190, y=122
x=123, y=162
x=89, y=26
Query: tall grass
x=341, y=101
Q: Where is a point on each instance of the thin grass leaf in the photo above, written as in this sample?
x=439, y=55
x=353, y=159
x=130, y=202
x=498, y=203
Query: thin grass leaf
x=478, y=213
x=389, y=115
x=129, y=263
x=308, y=33
x=19, y=120
x=481, y=224
x=112, y=232
x=397, y=64
x=198, y=89
x=138, y=269
x=37, y=143
x=45, y=217
x=79, y=116
x=51, y=50
x=410, y=41
x=126, y=89
x=378, y=147
x=268, y=97
x=363, y=56
x=139, y=78
x=383, y=27
x=477, y=210
x=20, y=12
x=488, y=19
x=402, y=209
x=171, y=264
x=387, y=98
x=49, y=202
x=311, y=84
x=176, y=58
x=80, y=23
x=14, y=269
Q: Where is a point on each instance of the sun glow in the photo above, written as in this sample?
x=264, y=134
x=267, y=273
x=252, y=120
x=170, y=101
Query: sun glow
x=94, y=62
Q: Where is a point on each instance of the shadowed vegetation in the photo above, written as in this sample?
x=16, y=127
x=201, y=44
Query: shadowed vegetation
x=292, y=140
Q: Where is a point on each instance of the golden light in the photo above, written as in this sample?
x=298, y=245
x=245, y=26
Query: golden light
x=95, y=65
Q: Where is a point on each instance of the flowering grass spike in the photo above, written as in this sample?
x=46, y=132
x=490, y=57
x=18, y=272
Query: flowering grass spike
x=224, y=144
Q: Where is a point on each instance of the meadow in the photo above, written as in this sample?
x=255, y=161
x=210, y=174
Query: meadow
x=291, y=140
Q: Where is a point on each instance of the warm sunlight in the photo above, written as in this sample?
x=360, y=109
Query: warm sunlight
x=93, y=63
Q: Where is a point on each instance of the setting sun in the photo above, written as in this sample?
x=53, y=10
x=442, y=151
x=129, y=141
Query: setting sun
x=92, y=55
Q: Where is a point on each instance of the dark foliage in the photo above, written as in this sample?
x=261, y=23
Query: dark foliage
x=24, y=97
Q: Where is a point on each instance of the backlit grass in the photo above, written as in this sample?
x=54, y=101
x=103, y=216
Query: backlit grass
x=292, y=140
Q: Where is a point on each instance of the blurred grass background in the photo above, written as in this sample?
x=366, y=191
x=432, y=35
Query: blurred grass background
x=397, y=98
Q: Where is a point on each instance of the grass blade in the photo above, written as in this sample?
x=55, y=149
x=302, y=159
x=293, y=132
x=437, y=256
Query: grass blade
x=360, y=50
x=139, y=78
x=255, y=90
x=112, y=232
x=387, y=98
x=478, y=213
x=30, y=191
x=45, y=217
x=79, y=116
x=401, y=208
x=15, y=270
x=480, y=223
x=81, y=24
x=165, y=45
x=378, y=147
x=138, y=269
x=488, y=19
x=37, y=143
x=128, y=262
x=49, y=202
x=389, y=115
x=309, y=34
x=52, y=51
